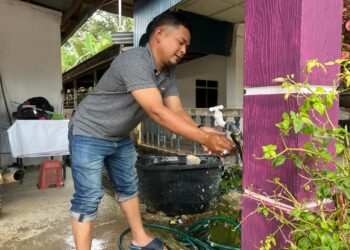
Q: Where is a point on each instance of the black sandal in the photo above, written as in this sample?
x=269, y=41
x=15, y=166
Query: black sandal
x=155, y=244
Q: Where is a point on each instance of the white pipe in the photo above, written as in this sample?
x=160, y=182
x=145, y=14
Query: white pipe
x=219, y=118
x=275, y=90
x=12, y=174
x=120, y=14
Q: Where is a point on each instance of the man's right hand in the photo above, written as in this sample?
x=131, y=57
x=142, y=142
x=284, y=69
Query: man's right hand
x=218, y=144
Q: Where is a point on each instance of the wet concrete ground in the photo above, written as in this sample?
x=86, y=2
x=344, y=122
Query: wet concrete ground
x=34, y=219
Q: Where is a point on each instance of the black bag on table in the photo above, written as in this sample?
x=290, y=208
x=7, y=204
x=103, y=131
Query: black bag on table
x=33, y=108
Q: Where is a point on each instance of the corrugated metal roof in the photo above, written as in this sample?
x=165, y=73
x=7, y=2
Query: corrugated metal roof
x=145, y=11
x=224, y=10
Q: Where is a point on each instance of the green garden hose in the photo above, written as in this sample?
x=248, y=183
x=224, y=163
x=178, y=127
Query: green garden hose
x=188, y=237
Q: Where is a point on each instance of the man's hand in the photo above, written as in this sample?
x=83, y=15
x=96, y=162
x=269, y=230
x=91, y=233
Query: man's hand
x=219, y=144
x=209, y=130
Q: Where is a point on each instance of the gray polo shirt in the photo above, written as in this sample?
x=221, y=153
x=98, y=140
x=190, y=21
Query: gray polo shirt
x=110, y=111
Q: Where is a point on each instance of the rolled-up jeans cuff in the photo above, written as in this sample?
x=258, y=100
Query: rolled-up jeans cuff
x=122, y=198
x=84, y=217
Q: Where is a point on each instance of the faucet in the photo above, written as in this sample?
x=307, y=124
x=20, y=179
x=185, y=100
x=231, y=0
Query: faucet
x=236, y=133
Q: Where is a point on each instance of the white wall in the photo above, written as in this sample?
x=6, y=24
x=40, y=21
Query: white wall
x=30, y=63
x=234, y=94
x=228, y=71
x=211, y=67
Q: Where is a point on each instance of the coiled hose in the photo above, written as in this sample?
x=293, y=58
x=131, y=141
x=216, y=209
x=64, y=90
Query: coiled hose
x=188, y=237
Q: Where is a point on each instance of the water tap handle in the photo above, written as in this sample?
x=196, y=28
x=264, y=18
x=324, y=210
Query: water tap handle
x=219, y=119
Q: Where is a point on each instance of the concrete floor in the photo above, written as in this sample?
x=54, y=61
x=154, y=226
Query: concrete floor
x=34, y=219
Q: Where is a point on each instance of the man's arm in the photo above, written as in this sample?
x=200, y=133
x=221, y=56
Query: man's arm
x=174, y=103
x=151, y=101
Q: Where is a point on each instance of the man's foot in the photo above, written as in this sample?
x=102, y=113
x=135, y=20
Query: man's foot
x=154, y=244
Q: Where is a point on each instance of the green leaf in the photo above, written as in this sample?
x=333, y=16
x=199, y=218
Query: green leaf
x=310, y=64
x=325, y=239
x=327, y=157
x=347, y=79
x=285, y=116
x=324, y=191
x=313, y=236
x=330, y=175
x=304, y=243
x=278, y=161
x=267, y=155
x=336, y=236
x=319, y=107
x=292, y=115
x=310, y=146
x=276, y=180
x=269, y=151
x=346, y=226
x=273, y=240
x=326, y=142
x=331, y=223
x=269, y=147
x=328, y=100
x=298, y=124
x=308, y=216
x=339, y=147
x=324, y=225
x=307, y=120
x=308, y=130
x=335, y=245
x=297, y=161
x=265, y=212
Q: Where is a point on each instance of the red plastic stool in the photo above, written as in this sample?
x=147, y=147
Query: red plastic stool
x=50, y=175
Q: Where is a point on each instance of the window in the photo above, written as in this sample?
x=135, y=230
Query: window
x=206, y=93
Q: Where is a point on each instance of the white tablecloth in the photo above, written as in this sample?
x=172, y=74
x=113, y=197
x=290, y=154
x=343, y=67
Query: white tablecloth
x=36, y=138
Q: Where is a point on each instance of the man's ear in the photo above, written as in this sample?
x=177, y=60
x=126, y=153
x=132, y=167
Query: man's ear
x=159, y=31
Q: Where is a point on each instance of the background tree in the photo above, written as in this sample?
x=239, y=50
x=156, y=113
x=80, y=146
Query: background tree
x=92, y=37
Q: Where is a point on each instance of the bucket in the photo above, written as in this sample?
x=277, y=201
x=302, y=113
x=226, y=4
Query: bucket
x=167, y=184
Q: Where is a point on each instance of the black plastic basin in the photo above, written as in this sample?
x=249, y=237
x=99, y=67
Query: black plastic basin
x=167, y=184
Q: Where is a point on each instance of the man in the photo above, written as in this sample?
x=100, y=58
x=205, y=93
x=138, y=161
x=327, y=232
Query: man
x=140, y=81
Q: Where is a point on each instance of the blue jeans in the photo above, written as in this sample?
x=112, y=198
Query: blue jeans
x=88, y=157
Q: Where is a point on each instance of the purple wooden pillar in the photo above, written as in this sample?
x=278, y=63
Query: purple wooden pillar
x=280, y=35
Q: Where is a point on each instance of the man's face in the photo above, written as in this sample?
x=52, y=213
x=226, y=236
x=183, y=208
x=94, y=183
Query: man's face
x=173, y=44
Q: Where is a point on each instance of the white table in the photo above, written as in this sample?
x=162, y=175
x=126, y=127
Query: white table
x=37, y=138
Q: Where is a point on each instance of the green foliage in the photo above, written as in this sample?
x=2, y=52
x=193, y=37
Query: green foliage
x=268, y=243
x=327, y=225
x=91, y=38
x=231, y=180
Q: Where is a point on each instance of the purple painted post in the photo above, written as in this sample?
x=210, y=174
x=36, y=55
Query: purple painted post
x=280, y=35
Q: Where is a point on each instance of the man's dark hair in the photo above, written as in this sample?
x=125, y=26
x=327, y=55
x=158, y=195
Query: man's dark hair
x=171, y=18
